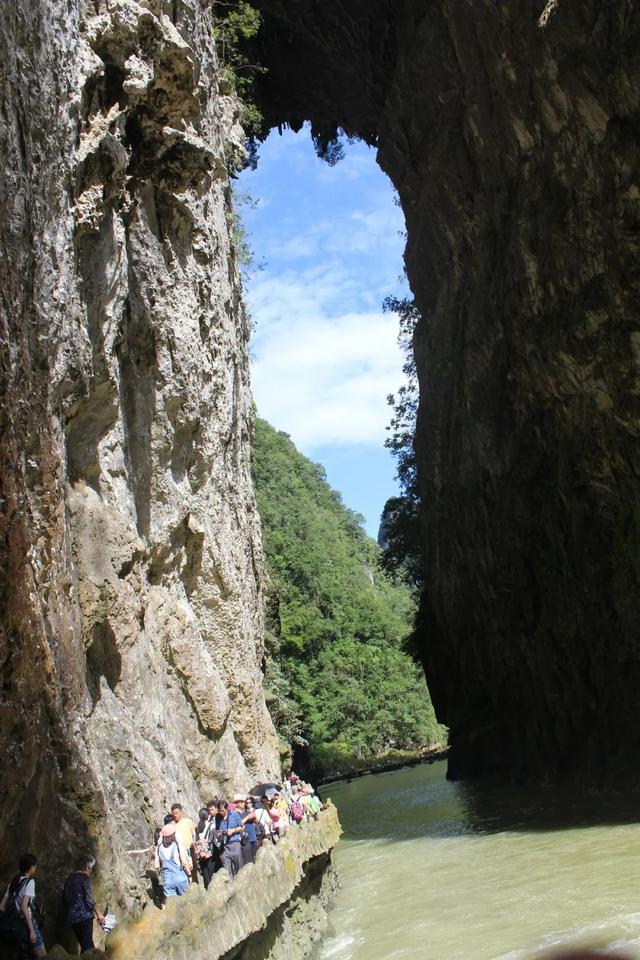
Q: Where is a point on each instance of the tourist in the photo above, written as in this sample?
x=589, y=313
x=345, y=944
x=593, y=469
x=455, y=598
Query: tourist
x=315, y=804
x=172, y=860
x=185, y=835
x=17, y=901
x=279, y=820
x=250, y=848
x=230, y=823
x=80, y=907
x=203, y=847
x=214, y=835
x=305, y=800
x=264, y=820
x=296, y=807
x=280, y=812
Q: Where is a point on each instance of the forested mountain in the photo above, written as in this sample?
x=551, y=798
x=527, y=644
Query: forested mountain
x=338, y=677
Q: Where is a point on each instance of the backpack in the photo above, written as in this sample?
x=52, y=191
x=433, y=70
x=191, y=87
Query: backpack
x=11, y=919
x=297, y=811
x=202, y=848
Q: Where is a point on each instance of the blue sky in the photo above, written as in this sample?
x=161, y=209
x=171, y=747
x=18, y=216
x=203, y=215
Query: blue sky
x=324, y=355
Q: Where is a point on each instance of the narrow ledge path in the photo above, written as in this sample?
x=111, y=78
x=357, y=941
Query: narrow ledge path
x=211, y=923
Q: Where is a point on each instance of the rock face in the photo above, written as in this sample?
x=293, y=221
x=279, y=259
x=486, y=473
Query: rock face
x=510, y=132
x=131, y=624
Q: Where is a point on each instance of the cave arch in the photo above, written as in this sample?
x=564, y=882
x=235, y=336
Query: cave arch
x=506, y=129
x=509, y=130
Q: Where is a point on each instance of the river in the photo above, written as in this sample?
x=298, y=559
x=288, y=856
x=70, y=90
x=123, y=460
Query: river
x=448, y=871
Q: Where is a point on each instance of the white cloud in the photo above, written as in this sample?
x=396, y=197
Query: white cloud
x=320, y=374
x=324, y=356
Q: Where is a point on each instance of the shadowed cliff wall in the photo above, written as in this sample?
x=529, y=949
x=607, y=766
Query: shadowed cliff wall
x=510, y=132
x=131, y=625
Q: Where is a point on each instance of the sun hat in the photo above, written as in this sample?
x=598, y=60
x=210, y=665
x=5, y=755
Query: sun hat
x=239, y=798
x=168, y=830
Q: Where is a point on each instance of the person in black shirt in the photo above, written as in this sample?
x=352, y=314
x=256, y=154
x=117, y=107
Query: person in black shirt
x=79, y=904
x=203, y=846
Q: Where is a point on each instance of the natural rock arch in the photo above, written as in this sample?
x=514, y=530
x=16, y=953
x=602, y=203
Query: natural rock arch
x=508, y=131
x=131, y=616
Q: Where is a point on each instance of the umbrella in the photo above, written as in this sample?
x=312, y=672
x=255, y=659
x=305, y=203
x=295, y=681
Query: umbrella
x=265, y=789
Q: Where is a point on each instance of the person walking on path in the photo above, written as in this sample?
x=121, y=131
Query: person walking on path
x=230, y=823
x=279, y=814
x=246, y=811
x=214, y=835
x=264, y=820
x=80, y=907
x=203, y=846
x=172, y=861
x=17, y=900
x=185, y=835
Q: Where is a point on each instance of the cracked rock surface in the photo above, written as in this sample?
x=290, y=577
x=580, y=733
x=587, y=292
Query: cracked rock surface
x=131, y=631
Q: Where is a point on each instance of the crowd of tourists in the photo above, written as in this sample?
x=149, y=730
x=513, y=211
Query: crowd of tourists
x=228, y=833
x=226, y=836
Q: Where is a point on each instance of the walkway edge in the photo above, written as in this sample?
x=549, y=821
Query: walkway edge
x=205, y=925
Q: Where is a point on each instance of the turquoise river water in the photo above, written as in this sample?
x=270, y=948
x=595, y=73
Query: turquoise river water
x=446, y=871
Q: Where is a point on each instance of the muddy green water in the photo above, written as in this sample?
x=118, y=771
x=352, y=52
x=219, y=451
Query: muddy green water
x=447, y=871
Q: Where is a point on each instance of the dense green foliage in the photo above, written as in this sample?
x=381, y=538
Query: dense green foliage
x=400, y=525
x=235, y=22
x=339, y=678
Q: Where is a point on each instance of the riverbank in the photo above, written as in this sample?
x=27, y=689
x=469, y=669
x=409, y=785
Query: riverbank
x=394, y=760
x=275, y=908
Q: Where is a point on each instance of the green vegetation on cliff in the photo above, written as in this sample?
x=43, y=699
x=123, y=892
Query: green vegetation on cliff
x=400, y=522
x=338, y=677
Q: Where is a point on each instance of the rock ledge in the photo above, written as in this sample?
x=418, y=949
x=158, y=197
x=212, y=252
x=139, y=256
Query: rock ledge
x=212, y=924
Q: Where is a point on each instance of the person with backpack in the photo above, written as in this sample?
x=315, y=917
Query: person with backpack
x=203, y=846
x=296, y=808
x=80, y=907
x=16, y=917
x=265, y=827
x=215, y=835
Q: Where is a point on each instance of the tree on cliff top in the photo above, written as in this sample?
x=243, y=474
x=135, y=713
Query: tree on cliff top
x=338, y=621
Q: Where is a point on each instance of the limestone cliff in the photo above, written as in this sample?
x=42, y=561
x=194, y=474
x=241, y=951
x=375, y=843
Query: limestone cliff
x=510, y=132
x=131, y=621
